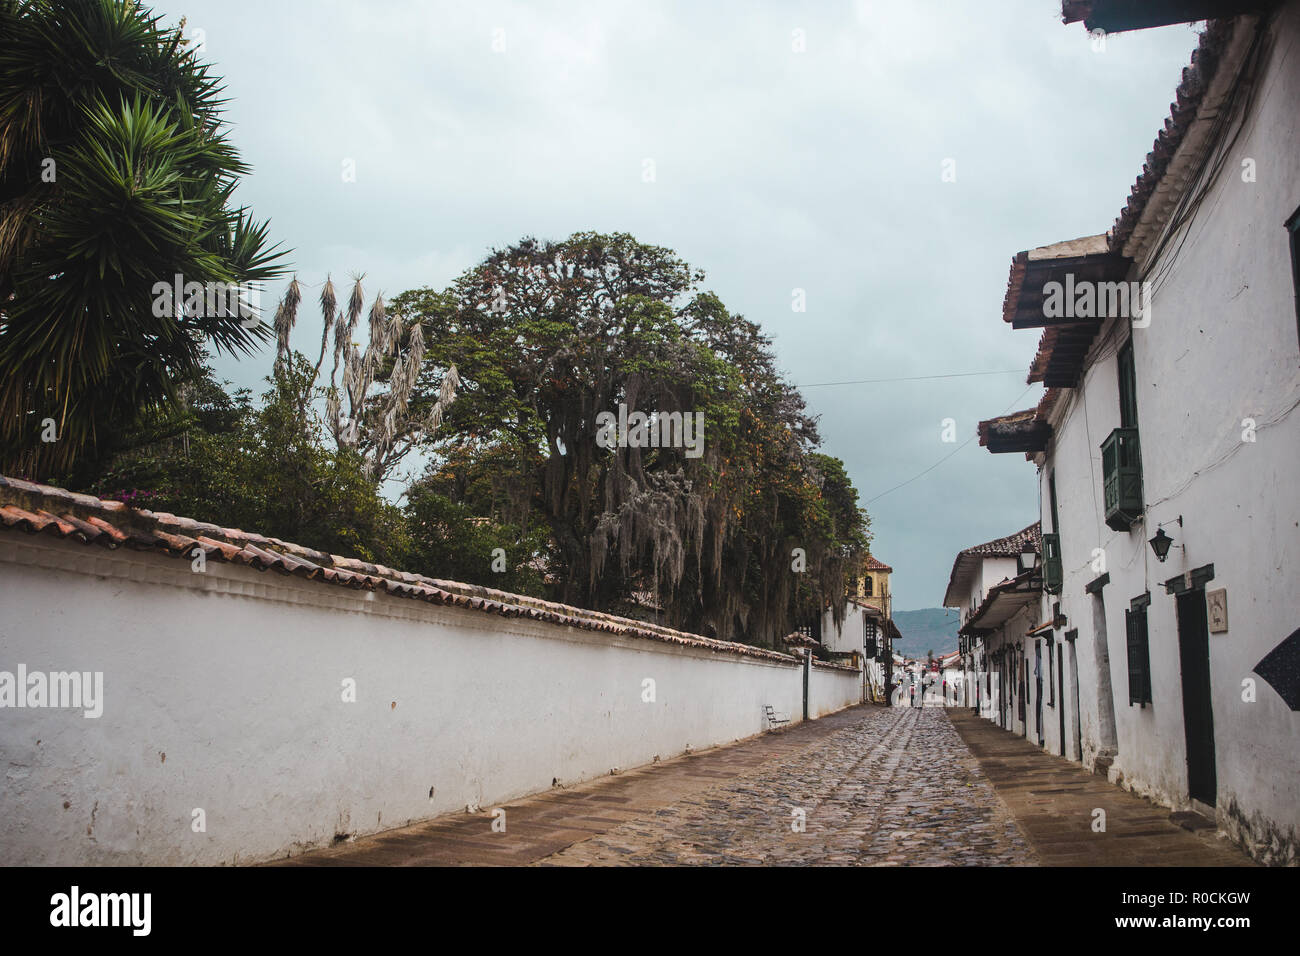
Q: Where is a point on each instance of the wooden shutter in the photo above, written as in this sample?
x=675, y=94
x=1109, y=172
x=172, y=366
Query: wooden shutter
x=1128, y=416
x=1139, y=671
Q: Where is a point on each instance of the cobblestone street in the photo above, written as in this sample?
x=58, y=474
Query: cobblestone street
x=894, y=787
x=868, y=786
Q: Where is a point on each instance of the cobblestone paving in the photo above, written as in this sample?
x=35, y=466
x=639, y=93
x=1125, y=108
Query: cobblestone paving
x=895, y=787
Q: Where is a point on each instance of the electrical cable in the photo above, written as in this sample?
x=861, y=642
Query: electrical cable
x=947, y=456
x=915, y=378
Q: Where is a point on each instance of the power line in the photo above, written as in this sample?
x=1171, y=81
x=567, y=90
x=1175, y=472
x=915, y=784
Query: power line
x=947, y=456
x=913, y=378
x=926, y=472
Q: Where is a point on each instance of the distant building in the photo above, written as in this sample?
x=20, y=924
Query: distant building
x=867, y=627
x=951, y=678
x=995, y=587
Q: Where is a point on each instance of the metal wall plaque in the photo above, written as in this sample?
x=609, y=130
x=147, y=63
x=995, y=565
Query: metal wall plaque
x=1216, y=610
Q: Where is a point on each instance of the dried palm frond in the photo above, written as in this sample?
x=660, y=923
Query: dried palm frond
x=416, y=345
x=340, y=337
x=450, y=382
x=378, y=332
x=286, y=316
x=328, y=305
x=355, y=304
x=401, y=381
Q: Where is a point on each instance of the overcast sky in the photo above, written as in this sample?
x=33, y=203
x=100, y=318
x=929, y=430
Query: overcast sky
x=472, y=125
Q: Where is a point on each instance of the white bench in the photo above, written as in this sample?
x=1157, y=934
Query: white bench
x=773, y=719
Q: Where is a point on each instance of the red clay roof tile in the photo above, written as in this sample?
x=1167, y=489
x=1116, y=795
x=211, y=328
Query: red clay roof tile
x=23, y=505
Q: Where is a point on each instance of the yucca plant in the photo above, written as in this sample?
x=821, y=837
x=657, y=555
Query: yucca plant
x=115, y=175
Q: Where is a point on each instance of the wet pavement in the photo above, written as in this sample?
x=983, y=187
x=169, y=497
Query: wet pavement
x=869, y=786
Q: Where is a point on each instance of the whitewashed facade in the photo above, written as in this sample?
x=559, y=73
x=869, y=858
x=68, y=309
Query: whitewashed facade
x=866, y=627
x=994, y=586
x=1179, y=420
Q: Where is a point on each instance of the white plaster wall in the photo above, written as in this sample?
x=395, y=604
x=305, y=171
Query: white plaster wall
x=995, y=571
x=831, y=689
x=1091, y=699
x=954, y=676
x=1011, y=636
x=1221, y=347
x=970, y=673
x=849, y=635
x=236, y=675
x=990, y=571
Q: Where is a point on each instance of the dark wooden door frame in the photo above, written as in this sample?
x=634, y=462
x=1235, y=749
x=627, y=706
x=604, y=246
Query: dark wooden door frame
x=1038, y=691
x=1198, y=714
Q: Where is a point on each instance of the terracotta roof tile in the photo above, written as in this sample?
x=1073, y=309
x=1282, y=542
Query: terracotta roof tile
x=62, y=525
x=34, y=509
x=1187, y=100
x=1028, y=539
x=1195, y=82
x=117, y=535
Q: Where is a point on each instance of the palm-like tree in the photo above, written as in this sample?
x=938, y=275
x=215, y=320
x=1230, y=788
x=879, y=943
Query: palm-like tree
x=115, y=175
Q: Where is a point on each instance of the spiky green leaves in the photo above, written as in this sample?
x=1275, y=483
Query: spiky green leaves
x=114, y=177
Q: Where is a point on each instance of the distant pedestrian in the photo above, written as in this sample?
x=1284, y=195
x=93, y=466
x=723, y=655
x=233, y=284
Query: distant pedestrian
x=912, y=692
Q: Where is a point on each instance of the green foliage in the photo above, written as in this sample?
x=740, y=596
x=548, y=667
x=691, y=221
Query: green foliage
x=114, y=176
x=449, y=541
x=546, y=336
x=260, y=468
x=519, y=494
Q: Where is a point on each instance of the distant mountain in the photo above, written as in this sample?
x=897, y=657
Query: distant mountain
x=928, y=629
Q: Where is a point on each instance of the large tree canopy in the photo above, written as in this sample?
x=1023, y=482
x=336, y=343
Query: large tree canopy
x=114, y=176
x=743, y=537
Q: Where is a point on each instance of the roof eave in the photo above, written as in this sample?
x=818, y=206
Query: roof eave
x=1121, y=16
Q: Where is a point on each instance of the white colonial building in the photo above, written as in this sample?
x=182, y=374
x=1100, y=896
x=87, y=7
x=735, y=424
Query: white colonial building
x=866, y=628
x=1167, y=444
x=995, y=587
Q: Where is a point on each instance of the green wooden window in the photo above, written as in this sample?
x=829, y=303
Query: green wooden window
x=1139, y=653
x=1121, y=452
x=1052, y=577
x=1121, y=470
x=1128, y=415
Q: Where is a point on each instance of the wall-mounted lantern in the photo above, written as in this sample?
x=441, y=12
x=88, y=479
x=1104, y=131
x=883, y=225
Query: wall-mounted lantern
x=1161, y=543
